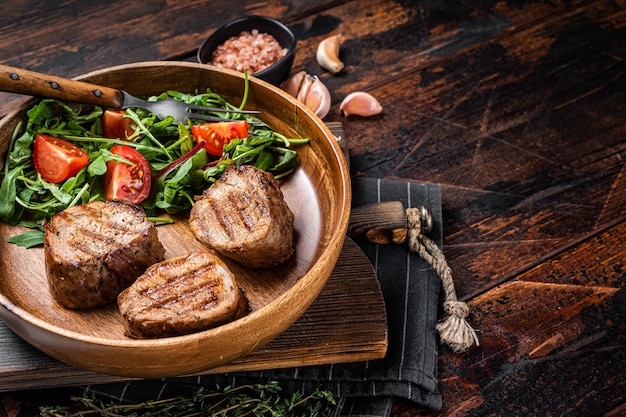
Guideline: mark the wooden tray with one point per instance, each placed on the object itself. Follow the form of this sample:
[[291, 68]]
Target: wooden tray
[[346, 323]]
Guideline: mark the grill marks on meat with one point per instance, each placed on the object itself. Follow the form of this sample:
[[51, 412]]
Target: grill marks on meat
[[182, 295], [94, 251], [102, 251], [244, 216]]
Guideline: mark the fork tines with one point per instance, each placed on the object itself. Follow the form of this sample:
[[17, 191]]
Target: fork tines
[[208, 118], [219, 110]]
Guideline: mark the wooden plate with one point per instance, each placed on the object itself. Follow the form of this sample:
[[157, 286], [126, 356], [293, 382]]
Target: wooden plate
[[318, 193]]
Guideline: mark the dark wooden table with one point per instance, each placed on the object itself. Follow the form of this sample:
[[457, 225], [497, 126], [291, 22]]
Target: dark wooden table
[[518, 111]]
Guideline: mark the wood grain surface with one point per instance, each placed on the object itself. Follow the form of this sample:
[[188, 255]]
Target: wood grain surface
[[516, 109]]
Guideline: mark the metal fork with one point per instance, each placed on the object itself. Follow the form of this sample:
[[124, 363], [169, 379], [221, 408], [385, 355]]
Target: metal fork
[[21, 81]]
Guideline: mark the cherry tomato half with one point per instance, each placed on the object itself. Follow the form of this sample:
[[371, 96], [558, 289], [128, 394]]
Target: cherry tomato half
[[218, 134], [126, 181], [115, 125], [57, 159]]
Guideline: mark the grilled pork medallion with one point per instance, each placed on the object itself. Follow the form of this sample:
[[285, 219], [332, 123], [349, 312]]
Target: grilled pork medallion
[[244, 216], [94, 251], [181, 295]]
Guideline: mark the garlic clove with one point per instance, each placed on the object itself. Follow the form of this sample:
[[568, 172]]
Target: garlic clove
[[317, 96], [360, 103], [292, 84], [309, 90], [327, 54]]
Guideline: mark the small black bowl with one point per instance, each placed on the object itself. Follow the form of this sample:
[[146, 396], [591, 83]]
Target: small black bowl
[[274, 74]]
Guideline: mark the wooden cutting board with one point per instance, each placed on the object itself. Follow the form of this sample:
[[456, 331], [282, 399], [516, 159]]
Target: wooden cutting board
[[346, 323]]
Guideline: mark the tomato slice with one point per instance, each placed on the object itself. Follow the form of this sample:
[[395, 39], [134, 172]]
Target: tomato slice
[[126, 181], [115, 125], [218, 134], [57, 159]]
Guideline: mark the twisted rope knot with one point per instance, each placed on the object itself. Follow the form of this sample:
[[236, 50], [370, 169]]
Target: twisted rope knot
[[456, 308], [453, 329]]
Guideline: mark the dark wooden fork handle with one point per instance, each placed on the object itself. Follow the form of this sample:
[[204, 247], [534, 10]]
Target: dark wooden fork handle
[[21, 81]]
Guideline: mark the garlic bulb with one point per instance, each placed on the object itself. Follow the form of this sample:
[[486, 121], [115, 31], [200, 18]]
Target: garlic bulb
[[309, 90], [360, 103], [327, 54]]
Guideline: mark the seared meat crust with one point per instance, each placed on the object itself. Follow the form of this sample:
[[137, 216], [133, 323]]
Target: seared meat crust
[[94, 251], [244, 216], [181, 295]]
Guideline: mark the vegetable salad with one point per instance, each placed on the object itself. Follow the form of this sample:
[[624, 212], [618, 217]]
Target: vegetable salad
[[62, 156]]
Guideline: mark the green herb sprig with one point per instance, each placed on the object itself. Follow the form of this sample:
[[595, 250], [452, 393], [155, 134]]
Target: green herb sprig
[[258, 400]]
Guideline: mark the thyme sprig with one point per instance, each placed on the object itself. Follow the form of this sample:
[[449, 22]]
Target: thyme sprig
[[256, 400]]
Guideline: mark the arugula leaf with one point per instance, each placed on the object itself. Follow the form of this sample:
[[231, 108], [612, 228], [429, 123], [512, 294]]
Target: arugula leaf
[[21, 153], [264, 160], [57, 192], [287, 162], [8, 193], [98, 166], [28, 239]]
